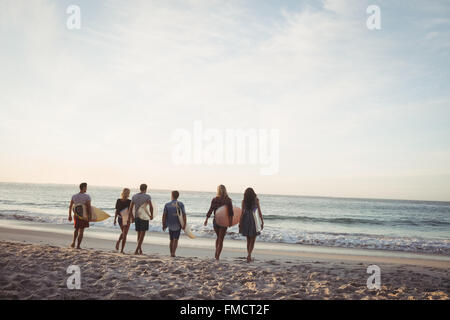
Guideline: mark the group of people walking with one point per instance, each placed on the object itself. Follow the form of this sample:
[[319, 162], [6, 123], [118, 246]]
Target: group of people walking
[[170, 219]]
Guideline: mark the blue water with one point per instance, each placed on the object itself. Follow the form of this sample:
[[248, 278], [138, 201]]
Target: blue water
[[414, 226]]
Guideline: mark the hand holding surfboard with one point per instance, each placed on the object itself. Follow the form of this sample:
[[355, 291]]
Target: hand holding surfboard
[[186, 228], [125, 214], [222, 218], [97, 215], [144, 213]]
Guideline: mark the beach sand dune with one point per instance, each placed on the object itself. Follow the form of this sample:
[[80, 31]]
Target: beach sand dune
[[31, 271]]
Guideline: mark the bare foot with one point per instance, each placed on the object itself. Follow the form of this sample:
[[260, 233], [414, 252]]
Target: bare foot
[[117, 245], [78, 247], [72, 245], [249, 259]]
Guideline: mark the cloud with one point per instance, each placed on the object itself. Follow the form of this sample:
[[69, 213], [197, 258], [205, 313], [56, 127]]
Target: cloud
[[135, 72]]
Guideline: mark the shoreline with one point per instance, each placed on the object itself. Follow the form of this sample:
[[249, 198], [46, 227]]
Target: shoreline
[[104, 239]]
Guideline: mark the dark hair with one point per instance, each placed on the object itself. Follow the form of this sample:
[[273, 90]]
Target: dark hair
[[143, 187], [249, 199], [83, 185], [175, 194]]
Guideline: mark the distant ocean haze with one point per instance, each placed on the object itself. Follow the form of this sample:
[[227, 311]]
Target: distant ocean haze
[[404, 225]]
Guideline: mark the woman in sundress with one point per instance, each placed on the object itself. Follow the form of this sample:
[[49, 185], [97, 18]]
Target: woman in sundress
[[247, 224]]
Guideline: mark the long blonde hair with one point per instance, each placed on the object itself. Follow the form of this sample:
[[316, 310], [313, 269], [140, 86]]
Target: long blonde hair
[[222, 191], [125, 194]]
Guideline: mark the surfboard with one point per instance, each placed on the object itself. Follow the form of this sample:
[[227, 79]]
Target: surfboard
[[222, 218], [144, 212], [155, 210], [187, 229], [97, 215], [188, 232], [124, 214], [257, 220]]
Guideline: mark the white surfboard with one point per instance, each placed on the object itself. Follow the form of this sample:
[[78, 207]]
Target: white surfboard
[[155, 210], [144, 212], [187, 229], [124, 214], [257, 220], [188, 232]]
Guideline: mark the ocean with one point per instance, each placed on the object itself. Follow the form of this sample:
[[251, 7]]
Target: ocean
[[393, 225]]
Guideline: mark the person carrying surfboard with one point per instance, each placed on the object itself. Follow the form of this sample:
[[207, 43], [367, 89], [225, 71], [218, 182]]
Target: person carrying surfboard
[[141, 220], [250, 225], [77, 202], [122, 209], [171, 220], [220, 200]]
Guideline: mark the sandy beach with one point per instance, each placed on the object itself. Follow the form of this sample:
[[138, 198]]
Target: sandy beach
[[36, 268], [253, 150]]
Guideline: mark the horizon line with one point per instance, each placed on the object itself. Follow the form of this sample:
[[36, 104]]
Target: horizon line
[[268, 194]]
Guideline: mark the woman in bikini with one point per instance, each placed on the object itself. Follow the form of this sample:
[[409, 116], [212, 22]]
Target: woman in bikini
[[220, 200], [122, 204]]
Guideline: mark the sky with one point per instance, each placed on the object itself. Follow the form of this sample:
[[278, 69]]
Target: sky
[[358, 112]]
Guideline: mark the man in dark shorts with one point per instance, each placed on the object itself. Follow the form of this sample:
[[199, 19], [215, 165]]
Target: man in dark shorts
[[141, 223], [79, 200], [170, 219]]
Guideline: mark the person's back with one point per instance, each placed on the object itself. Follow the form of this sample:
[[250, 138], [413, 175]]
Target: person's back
[[122, 212], [81, 198], [79, 203], [141, 223], [172, 221], [249, 226], [218, 202], [139, 199], [170, 208], [221, 199]]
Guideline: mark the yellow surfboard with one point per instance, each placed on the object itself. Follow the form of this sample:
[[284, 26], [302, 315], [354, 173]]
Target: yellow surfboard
[[96, 216]]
